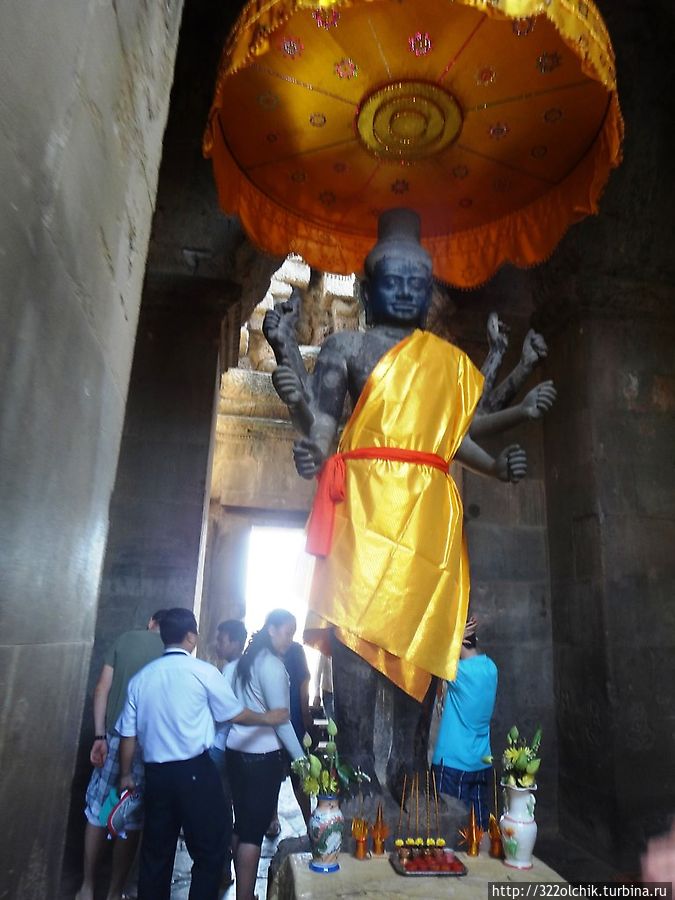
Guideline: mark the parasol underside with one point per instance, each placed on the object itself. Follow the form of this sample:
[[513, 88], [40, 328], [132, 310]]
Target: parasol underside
[[499, 131]]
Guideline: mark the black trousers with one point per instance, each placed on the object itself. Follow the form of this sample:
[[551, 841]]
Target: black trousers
[[188, 793], [255, 779]]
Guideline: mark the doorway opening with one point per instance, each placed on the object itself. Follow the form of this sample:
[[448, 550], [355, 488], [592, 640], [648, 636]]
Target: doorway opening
[[278, 576]]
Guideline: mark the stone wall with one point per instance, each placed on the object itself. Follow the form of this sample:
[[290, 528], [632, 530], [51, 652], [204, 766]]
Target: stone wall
[[610, 487], [191, 310], [606, 299], [85, 91], [506, 527]]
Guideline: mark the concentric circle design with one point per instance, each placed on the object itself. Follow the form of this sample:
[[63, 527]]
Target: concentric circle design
[[408, 120], [500, 130]]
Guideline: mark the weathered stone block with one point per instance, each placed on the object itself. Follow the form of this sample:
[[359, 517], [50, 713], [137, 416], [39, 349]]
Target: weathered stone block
[[642, 609], [253, 466], [588, 815], [42, 47], [514, 554], [509, 612], [36, 759], [494, 501], [65, 510]]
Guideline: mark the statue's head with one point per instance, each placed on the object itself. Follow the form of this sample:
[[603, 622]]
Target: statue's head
[[398, 275]]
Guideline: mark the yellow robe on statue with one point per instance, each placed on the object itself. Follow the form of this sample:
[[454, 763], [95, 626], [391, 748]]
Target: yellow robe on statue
[[395, 584]]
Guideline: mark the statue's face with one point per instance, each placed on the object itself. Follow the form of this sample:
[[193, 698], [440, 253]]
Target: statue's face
[[399, 292]]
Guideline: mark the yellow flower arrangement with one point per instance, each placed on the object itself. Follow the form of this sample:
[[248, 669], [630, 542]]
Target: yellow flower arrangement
[[323, 772], [520, 760]]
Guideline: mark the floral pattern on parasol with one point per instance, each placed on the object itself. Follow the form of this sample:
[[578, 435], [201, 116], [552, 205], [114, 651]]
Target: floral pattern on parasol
[[496, 120]]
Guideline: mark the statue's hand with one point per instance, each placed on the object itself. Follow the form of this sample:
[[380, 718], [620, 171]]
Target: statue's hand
[[497, 332], [534, 349], [288, 386], [539, 400], [279, 323], [308, 456], [511, 464], [270, 326]]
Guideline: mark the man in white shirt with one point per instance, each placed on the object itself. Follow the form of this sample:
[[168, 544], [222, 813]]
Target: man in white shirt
[[170, 710]]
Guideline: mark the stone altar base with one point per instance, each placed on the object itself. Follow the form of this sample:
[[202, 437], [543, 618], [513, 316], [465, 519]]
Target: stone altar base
[[452, 815]]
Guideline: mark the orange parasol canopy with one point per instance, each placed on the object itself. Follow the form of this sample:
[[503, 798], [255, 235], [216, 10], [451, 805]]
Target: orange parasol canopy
[[496, 120]]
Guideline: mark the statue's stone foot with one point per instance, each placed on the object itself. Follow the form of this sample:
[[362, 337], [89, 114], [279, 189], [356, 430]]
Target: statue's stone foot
[[452, 815], [399, 775], [361, 799]]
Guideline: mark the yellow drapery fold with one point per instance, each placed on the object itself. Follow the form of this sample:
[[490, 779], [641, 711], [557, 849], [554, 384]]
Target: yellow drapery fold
[[396, 582]]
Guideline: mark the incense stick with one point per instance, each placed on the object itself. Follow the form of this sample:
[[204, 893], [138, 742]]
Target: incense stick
[[428, 805], [410, 799], [438, 824], [417, 804], [494, 783], [400, 815]]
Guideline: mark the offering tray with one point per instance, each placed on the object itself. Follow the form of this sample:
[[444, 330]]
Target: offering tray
[[412, 871]]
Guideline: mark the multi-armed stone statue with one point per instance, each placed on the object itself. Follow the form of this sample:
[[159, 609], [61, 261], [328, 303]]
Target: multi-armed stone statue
[[391, 583]]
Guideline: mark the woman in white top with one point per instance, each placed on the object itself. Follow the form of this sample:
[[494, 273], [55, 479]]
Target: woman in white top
[[255, 758]]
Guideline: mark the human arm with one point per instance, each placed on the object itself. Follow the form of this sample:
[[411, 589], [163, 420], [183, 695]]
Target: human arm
[[274, 684], [226, 707], [99, 749], [273, 717], [127, 750], [307, 718], [510, 465], [535, 403], [658, 862], [126, 726]]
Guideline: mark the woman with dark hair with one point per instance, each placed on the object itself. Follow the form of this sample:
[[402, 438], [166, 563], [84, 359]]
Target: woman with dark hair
[[255, 758]]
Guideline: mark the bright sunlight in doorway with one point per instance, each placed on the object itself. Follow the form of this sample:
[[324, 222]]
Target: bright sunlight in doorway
[[278, 574]]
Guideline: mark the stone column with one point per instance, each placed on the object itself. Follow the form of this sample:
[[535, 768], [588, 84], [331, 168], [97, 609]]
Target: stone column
[[610, 484], [85, 94], [157, 510], [606, 306]]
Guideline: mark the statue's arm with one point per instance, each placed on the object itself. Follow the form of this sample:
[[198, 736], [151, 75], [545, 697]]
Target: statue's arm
[[294, 394], [510, 465], [534, 349], [279, 328], [498, 341], [322, 410], [535, 403]]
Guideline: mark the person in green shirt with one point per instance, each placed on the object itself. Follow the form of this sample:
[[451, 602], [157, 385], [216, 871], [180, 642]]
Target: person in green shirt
[[128, 654]]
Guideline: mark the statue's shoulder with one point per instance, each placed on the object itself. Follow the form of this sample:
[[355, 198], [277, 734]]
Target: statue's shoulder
[[345, 343], [447, 352], [440, 345]]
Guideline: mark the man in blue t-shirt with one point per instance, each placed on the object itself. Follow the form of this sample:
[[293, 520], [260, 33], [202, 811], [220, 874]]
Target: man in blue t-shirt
[[463, 739]]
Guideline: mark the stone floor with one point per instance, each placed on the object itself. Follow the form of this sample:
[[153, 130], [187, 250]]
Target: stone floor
[[292, 825]]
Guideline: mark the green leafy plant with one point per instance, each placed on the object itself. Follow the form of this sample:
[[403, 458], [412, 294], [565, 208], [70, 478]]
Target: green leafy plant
[[521, 760], [322, 772]]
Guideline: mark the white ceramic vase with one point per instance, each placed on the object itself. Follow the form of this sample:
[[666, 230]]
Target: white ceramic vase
[[325, 829], [518, 827]]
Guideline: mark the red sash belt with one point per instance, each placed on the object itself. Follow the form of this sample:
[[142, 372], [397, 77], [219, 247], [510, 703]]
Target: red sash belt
[[331, 489]]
